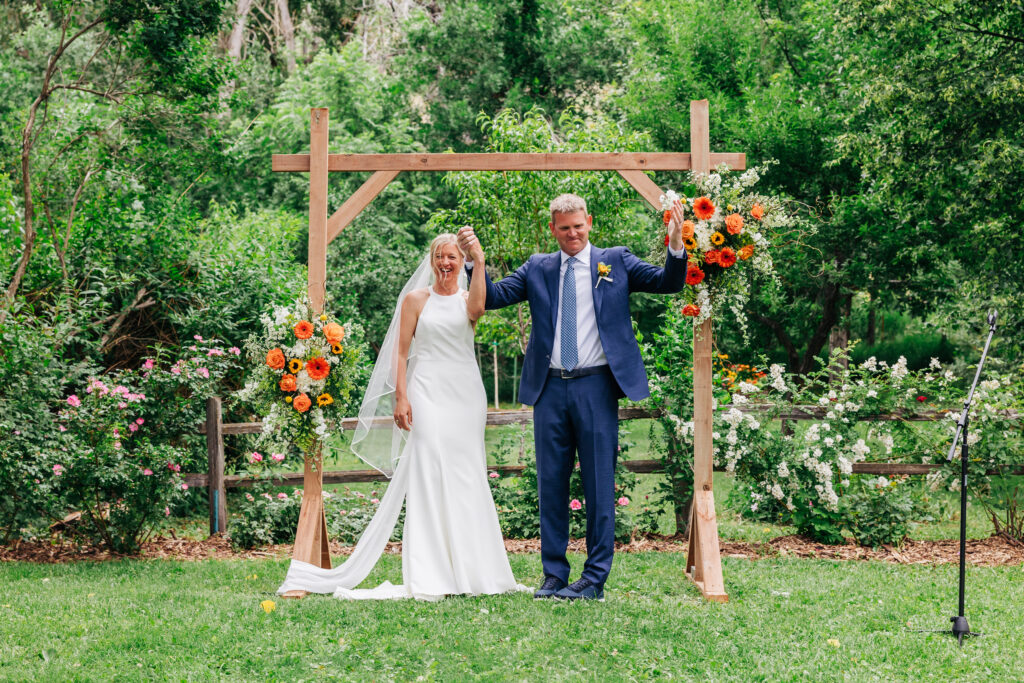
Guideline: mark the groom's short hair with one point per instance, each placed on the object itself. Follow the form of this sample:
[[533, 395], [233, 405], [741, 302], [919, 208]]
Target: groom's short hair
[[567, 203]]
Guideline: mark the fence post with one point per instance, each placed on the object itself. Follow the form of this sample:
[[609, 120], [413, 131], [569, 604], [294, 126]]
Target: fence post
[[215, 476]]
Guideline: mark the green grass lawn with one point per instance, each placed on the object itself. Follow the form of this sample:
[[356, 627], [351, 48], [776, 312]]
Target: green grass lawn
[[202, 620]]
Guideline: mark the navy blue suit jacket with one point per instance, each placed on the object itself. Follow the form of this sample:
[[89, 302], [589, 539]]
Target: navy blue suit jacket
[[536, 281]]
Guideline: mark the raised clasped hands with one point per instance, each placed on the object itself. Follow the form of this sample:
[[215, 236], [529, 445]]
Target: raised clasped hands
[[675, 226], [469, 244]]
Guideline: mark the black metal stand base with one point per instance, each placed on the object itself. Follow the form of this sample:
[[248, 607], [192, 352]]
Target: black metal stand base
[[961, 629]]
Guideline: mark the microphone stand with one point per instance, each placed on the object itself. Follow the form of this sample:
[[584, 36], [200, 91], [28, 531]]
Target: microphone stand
[[960, 627]]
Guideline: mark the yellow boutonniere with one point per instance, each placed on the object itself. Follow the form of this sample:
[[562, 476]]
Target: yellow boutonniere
[[603, 270]]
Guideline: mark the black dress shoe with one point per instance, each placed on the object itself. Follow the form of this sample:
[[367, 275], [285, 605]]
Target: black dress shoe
[[584, 589], [551, 585]]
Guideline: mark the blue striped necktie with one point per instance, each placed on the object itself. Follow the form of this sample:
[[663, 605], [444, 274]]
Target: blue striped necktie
[[570, 354]]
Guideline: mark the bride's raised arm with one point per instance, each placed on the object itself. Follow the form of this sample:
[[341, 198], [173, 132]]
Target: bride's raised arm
[[477, 298]]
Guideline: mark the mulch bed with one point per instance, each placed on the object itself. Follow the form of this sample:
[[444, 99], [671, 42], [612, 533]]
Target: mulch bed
[[989, 552]]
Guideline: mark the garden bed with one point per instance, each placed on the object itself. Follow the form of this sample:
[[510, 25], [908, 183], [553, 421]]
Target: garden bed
[[989, 552]]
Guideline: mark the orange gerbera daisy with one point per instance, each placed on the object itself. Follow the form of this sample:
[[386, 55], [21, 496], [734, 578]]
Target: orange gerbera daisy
[[334, 332], [734, 223], [703, 208], [275, 359], [727, 257], [757, 211], [712, 256], [303, 329], [666, 217], [287, 382], [302, 403], [688, 228], [746, 252], [694, 275], [691, 310], [317, 368]]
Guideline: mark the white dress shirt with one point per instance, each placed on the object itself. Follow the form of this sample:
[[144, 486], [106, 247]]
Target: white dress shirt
[[588, 340]]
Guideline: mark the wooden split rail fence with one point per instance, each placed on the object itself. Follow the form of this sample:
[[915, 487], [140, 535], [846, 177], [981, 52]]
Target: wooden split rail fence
[[217, 482]]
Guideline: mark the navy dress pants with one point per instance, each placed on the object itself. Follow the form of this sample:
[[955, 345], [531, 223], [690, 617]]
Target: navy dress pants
[[577, 416]]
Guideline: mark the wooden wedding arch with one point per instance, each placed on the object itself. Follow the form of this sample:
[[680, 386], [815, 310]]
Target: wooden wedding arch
[[703, 562]]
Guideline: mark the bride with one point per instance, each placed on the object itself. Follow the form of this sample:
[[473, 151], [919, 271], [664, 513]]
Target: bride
[[422, 422]]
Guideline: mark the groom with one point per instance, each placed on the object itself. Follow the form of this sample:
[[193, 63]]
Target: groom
[[581, 358]]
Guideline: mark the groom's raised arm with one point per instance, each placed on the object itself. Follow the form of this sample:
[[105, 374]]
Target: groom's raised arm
[[507, 291], [643, 277]]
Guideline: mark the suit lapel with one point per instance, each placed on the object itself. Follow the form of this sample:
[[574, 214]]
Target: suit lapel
[[551, 268], [595, 257]]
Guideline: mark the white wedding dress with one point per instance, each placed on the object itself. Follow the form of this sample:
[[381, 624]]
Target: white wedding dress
[[452, 542]]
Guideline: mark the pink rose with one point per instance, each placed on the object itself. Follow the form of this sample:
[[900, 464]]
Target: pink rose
[[277, 457], [74, 401], [197, 338], [122, 405], [184, 487], [282, 496], [58, 470], [374, 501], [623, 501], [133, 427], [139, 421], [148, 365], [147, 471], [117, 444], [204, 372], [167, 512], [174, 467], [255, 457], [176, 370], [575, 504], [62, 428], [235, 350], [493, 475]]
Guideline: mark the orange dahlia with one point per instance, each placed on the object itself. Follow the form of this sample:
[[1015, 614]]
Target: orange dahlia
[[703, 208], [317, 368], [334, 332], [688, 228], [303, 329], [734, 223], [302, 403], [275, 359], [757, 211], [691, 310], [727, 257], [746, 252], [694, 275], [287, 382]]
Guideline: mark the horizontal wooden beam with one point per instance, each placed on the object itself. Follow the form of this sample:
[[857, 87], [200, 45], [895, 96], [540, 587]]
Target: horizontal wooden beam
[[580, 161]]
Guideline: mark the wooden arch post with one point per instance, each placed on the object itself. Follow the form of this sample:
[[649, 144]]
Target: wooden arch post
[[703, 564]]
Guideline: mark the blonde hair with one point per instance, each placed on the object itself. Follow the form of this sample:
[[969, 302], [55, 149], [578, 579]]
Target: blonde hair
[[567, 203], [441, 240]]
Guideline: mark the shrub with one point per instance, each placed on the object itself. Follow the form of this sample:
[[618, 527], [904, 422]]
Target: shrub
[[878, 510]]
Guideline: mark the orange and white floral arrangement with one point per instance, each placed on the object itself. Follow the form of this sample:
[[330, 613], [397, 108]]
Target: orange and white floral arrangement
[[302, 371], [727, 233]]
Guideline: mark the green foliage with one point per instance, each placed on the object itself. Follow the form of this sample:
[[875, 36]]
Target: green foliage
[[879, 510], [268, 518]]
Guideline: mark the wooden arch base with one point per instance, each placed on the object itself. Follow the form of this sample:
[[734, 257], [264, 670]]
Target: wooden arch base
[[703, 565]]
